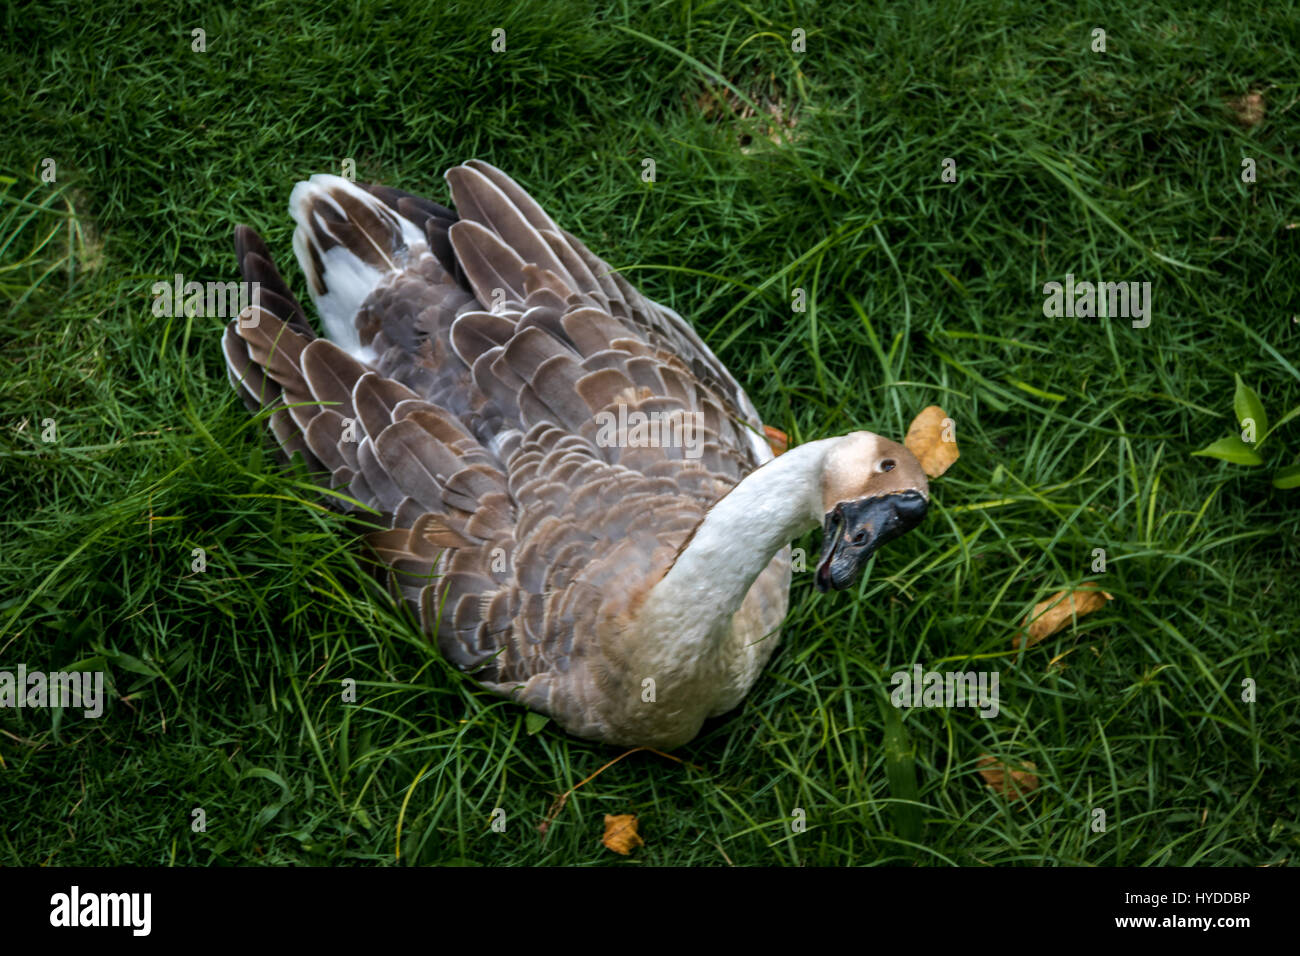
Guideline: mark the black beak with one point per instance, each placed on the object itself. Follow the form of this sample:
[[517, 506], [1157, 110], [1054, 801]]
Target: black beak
[[855, 529]]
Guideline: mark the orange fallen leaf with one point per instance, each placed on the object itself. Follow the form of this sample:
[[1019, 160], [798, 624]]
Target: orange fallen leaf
[[1003, 779], [777, 439], [932, 438], [620, 833], [1051, 615]]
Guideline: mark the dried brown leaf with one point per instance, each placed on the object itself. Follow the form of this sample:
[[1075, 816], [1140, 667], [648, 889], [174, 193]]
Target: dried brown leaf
[[764, 111], [1005, 779], [1051, 615], [1248, 109], [932, 438], [620, 833]]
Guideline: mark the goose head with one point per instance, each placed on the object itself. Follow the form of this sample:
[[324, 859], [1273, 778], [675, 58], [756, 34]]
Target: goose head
[[873, 490]]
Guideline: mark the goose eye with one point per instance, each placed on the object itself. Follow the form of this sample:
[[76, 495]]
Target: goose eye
[[887, 465]]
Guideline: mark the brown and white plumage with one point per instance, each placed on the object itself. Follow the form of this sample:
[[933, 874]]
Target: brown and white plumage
[[474, 357]]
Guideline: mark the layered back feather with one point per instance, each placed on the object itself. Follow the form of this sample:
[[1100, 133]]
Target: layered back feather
[[456, 405]]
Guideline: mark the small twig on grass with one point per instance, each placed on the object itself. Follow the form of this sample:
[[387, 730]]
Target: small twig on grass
[[563, 798]]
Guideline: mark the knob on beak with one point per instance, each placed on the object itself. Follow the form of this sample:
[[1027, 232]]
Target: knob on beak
[[855, 529]]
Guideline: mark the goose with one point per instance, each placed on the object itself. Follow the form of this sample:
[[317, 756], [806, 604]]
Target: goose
[[482, 398]]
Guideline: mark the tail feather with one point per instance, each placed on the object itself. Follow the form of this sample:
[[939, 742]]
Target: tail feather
[[348, 242]]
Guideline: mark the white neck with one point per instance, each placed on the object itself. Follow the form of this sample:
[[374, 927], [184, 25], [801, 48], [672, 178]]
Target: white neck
[[735, 542]]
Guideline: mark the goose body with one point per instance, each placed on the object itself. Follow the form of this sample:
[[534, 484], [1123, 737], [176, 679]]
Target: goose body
[[482, 400]]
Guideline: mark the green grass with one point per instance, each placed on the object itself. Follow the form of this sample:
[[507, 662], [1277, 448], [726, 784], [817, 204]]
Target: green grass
[[1075, 434]]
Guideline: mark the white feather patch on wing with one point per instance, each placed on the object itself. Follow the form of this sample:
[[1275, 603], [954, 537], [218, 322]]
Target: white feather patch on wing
[[348, 279]]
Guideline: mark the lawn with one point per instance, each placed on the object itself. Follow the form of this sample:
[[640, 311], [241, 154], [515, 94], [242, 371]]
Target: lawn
[[800, 217]]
